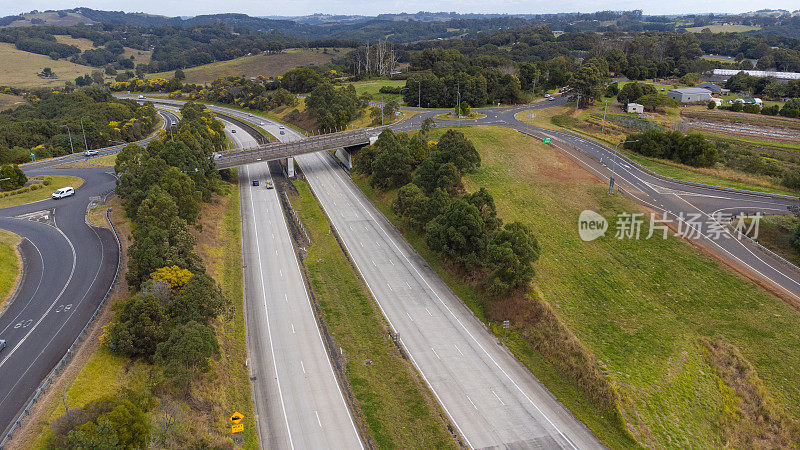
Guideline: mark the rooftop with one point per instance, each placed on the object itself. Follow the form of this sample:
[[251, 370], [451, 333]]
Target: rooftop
[[691, 90]]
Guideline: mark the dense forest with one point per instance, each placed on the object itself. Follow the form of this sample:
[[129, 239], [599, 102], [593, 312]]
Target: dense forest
[[43, 126]]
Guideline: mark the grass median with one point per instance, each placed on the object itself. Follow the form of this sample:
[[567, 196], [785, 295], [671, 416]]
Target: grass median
[[642, 308], [397, 407], [43, 191], [10, 265]]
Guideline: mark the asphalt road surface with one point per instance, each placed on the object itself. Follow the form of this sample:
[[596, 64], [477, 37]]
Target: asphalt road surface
[[298, 402], [490, 396], [676, 199], [68, 267]]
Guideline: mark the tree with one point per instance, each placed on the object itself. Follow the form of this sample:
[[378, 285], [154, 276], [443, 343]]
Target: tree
[[484, 201], [186, 352], [179, 74], [100, 436], [174, 276], [200, 300], [459, 233], [426, 126], [711, 104], [510, 254], [463, 109], [130, 423], [182, 189], [432, 175], [690, 79], [791, 108], [412, 205], [653, 102], [631, 92], [139, 326], [588, 80], [454, 147], [12, 177]]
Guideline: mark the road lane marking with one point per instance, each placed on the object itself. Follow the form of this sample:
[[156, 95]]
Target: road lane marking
[[470, 401], [266, 313], [498, 398], [318, 421], [292, 328], [390, 287], [457, 349], [429, 313], [409, 316], [434, 352], [302, 366]]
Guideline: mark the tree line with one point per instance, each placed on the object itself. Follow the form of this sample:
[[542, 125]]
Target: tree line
[[167, 319], [44, 125], [463, 227]]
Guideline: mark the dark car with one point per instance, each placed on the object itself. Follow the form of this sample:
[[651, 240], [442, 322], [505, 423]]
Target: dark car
[[255, 182], [2, 344]]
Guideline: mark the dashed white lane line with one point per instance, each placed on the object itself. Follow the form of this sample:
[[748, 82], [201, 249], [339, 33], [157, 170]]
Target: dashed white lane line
[[302, 367], [498, 398], [434, 352], [470, 401], [373, 262], [390, 287], [318, 421], [458, 350], [409, 316], [429, 313], [292, 328]]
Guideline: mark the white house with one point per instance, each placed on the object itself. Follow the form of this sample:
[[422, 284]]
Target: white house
[[690, 95]]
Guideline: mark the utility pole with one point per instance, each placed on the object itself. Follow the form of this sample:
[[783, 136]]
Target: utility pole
[[577, 100], [69, 133], [614, 163], [458, 99], [85, 145], [419, 94], [604, 115]]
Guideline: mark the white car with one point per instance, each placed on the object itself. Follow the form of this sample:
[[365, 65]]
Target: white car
[[141, 97], [90, 153], [282, 127], [64, 192]]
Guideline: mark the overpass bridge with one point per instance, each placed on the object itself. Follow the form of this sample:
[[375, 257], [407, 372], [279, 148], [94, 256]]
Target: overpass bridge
[[278, 150]]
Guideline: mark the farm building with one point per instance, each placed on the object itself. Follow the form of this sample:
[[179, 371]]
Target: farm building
[[714, 88], [749, 101], [634, 108], [690, 95]]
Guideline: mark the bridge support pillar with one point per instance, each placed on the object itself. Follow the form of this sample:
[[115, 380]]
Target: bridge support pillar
[[344, 156], [290, 167]]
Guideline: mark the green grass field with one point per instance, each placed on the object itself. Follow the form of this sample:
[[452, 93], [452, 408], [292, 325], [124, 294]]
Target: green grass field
[[397, 407], [267, 64], [9, 264], [372, 87], [777, 232], [107, 160], [19, 69], [58, 181], [8, 101], [640, 307]]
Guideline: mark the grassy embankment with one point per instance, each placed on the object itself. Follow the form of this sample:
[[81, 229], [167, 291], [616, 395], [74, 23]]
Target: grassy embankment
[[107, 160], [10, 265], [644, 309], [777, 233], [397, 407], [8, 101], [213, 396], [560, 117], [373, 87], [43, 192], [266, 64]]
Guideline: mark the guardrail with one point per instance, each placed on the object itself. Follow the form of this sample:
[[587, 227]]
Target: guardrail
[[65, 359]]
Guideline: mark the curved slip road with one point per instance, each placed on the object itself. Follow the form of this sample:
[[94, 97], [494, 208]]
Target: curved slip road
[[297, 399], [68, 267]]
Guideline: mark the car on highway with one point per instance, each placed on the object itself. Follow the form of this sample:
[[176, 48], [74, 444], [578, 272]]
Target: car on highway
[[91, 153], [233, 131], [282, 127], [261, 123], [269, 185], [2, 344], [283, 132], [551, 99], [255, 182], [63, 192], [141, 97], [546, 95]]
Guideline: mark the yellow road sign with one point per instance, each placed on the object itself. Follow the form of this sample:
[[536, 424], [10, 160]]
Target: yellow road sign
[[237, 417], [238, 428]]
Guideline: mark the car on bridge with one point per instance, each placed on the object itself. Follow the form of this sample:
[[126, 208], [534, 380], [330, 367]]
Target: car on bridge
[[255, 182], [63, 192]]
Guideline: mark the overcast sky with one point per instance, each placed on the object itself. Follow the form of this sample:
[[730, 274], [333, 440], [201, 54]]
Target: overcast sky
[[372, 7]]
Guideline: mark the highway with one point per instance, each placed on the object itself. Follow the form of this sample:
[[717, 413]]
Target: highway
[[490, 396], [68, 266], [297, 399], [389, 267]]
